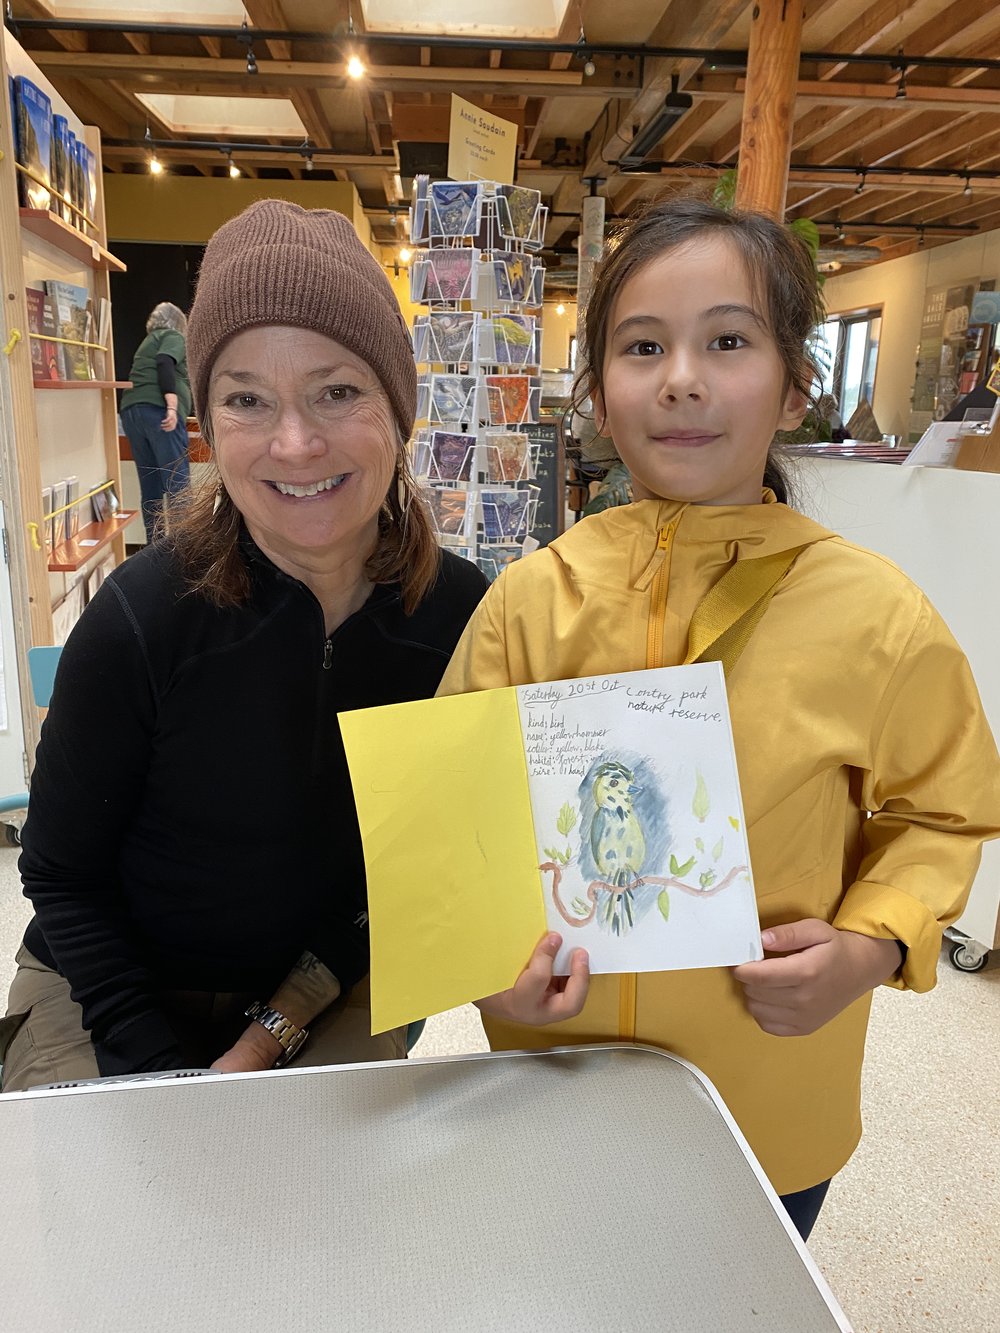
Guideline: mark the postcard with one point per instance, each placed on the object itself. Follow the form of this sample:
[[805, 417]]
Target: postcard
[[446, 337], [507, 456], [418, 208], [450, 512], [450, 275], [607, 808], [454, 398], [518, 278], [512, 400], [451, 456], [455, 208], [510, 340], [518, 212], [506, 514]]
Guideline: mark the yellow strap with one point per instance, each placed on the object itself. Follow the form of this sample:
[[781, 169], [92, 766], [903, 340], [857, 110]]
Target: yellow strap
[[729, 613]]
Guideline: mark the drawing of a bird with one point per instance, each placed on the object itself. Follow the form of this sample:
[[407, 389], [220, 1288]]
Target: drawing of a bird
[[617, 841]]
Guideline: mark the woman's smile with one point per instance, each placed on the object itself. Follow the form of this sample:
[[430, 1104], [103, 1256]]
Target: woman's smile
[[309, 489]]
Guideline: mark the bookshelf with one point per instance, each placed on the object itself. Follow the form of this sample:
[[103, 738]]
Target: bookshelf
[[92, 540], [48, 431]]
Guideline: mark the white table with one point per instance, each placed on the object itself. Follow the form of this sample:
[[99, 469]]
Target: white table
[[594, 1188]]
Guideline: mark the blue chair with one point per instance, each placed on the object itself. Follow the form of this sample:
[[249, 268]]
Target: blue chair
[[42, 663]]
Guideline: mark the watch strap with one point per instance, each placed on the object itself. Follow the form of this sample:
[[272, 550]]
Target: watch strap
[[282, 1029]]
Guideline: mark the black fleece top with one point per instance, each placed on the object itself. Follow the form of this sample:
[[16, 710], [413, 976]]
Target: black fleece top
[[192, 825]]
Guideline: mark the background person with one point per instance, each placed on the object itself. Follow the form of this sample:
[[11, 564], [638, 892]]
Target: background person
[[154, 411]]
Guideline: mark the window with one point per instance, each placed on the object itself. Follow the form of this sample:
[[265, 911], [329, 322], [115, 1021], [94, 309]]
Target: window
[[848, 353]]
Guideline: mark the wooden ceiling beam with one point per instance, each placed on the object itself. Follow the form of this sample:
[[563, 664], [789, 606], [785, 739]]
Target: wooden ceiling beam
[[684, 23], [316, 74], [213, 45], [880, 23], [310, 111]]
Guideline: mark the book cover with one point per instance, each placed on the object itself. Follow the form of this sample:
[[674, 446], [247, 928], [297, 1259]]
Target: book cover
[[34, 142], [55, 361], [47, 518], [36, 328], [56, 524], [61, 196], [71, 525], [75, 181], [88, 185], [73, 322], [99, 504]]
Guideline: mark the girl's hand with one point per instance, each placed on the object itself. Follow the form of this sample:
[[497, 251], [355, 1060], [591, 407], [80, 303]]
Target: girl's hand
[[537, 997], [821, 972]]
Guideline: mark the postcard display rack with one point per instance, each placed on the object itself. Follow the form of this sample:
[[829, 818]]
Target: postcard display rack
[[58, 425], [479, 350]]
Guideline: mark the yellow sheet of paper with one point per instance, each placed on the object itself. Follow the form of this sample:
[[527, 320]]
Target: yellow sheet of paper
[[454, 895]]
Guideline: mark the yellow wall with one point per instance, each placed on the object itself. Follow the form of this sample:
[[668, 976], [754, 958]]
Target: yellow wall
[[556, 333], [899, 286]]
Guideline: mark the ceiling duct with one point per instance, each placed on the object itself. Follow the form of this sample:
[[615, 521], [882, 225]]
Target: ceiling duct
[[675, 104]]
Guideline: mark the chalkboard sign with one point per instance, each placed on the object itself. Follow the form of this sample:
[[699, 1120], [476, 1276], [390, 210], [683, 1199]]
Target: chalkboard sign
[[548, 478]]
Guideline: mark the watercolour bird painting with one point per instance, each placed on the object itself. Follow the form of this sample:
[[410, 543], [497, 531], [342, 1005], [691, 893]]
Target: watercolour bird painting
[[639, 821]]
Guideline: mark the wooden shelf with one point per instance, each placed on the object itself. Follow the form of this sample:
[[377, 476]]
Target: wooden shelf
[[82, 384], [70, 556], [71, 242]]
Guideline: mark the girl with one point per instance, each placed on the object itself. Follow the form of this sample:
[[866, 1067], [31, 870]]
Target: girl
[[849, 697]]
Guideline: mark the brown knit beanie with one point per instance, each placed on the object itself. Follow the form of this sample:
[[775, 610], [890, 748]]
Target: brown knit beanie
[[277, 263]]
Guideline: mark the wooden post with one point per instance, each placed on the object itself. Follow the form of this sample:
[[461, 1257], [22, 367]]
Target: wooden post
[[768, 106]]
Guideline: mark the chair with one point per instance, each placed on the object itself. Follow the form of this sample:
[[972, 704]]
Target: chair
[[42, 663]]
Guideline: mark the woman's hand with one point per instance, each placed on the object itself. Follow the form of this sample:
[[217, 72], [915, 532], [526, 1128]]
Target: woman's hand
[[819, 971], [537, 997], [169, 422], [254, 1050]]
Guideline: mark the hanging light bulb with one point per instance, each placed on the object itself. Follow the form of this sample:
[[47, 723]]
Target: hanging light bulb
[[861, 185], [560, 309], [968, 187], [155, 165], [405, 255], [234, 170], [355, 68]]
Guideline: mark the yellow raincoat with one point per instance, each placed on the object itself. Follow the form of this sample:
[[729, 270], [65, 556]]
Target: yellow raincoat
[[851, 696]]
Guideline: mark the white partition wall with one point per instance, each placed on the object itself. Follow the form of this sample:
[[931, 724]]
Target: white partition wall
[[942, 527]]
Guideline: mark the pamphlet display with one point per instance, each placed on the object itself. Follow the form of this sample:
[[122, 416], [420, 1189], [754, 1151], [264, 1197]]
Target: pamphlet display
[[479, 350]]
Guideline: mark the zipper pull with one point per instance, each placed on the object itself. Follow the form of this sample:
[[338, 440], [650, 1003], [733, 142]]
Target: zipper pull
[[666, 536], [327, 655]]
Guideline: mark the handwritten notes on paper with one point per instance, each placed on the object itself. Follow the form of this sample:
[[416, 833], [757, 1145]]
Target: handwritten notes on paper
[[608, 808]]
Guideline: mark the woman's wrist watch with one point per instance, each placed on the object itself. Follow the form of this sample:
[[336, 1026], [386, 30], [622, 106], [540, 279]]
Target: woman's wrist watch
[[282, 1029]]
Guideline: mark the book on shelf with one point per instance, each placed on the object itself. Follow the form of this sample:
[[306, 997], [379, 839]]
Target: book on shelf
[[33, 122], [36, 328], [61, 185], [100, 503], [74, 321], [72, 516], [47, 518], [88, 186], [56, 522]]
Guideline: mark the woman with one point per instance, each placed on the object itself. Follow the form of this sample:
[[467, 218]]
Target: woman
[[155, 409], [192, 850]]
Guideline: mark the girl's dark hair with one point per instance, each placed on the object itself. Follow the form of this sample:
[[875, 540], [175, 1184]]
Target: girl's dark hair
[[205, 527], [782, 277]]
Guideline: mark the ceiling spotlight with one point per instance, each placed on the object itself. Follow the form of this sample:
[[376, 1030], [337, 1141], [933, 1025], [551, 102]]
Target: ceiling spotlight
[[861, 185], [246, 37], [355, 68], [589, 68], [309, 161], [968, 187], [920, 232], [900, 64], [405, 255], [560, 309], [234, 170], [155, 165]]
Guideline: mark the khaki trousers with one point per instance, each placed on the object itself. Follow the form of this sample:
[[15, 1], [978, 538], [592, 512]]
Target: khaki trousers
[[43, 1040]]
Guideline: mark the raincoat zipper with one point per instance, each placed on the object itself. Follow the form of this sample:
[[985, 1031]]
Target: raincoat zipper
[[327, 654], [628, 981]]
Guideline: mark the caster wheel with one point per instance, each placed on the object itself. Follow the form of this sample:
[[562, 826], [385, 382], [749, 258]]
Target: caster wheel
[[11, 835], [965, 959]]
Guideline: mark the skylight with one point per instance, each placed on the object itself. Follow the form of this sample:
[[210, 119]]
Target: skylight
[[208, 13], [539, 19], [209, 116]]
